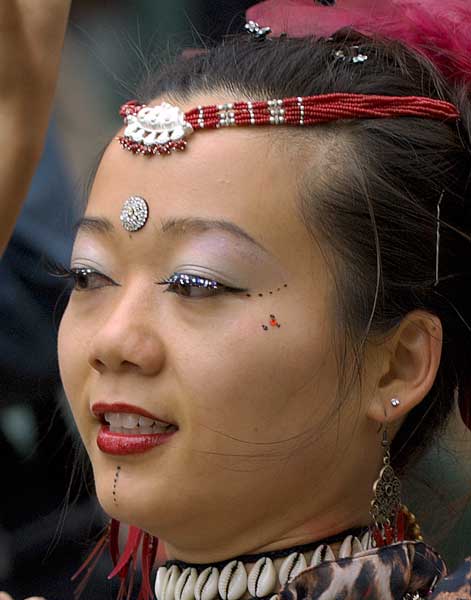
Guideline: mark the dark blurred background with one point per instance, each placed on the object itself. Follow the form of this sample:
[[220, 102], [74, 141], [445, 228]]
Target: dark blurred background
[[48, 514]]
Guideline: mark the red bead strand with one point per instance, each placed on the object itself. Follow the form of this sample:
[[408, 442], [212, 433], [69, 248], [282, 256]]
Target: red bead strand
[[295, 111], [329, 107]]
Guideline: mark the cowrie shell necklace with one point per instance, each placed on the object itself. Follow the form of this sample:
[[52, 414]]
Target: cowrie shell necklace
[[257, 576]]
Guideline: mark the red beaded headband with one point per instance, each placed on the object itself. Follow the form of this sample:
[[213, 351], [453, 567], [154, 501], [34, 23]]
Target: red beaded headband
[[165, 128]]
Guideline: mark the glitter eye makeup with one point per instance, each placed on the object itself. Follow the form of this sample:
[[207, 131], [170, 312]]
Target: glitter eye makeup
[[185, 279], [183, 284]]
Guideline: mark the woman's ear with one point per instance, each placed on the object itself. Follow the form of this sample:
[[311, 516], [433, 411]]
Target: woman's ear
[[411, 360]]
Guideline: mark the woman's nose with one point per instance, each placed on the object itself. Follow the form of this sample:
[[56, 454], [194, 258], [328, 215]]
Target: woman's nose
[[126, 337]]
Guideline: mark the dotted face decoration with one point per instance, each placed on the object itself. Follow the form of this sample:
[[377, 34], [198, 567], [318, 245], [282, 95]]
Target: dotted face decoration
[[273, 320], [273, 323], [134, 213], [260, 294], [115, 483]]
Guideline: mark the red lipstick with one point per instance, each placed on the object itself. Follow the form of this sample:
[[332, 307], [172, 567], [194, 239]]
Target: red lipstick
[[128, 443], [123, 443]]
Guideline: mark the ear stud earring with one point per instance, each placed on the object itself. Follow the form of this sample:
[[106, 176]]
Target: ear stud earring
[[395, 402]]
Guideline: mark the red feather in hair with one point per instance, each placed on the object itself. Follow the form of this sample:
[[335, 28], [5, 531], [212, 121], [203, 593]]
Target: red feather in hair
[[438, 29]]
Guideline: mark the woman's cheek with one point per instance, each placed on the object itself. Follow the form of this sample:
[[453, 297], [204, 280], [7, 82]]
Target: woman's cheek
[[73, 361], [65, 355], [237, 377]]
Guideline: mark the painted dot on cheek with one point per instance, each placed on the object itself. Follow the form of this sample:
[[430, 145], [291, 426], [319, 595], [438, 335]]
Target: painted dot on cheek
[[273, 322]]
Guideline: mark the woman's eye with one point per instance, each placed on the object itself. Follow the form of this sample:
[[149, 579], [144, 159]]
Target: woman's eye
[[85, 279], [82, 278], [193, 286], [88, 279]]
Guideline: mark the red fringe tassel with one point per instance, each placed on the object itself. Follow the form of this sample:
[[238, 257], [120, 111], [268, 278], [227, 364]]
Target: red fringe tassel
[[125, 566], [389, 534]]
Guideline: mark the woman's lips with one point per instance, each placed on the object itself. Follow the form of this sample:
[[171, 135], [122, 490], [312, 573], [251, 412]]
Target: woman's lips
[[123, 443], [100, 408]]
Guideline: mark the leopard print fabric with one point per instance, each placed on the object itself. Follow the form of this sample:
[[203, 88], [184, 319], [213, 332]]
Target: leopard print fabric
[[406, 569]]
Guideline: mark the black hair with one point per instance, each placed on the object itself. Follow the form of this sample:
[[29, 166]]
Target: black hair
[[375, 206]]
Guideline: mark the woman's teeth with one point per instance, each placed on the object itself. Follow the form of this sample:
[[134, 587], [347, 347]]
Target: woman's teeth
[[134, 424]]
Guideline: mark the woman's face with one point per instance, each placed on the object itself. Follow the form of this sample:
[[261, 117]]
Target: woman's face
[[252, 464]]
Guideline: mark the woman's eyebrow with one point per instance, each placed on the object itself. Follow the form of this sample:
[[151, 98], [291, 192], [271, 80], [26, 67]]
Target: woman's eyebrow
[[94, 225], [176, 225], [199, 224]]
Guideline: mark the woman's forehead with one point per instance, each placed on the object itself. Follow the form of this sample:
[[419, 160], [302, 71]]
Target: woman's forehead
[[234, 176]]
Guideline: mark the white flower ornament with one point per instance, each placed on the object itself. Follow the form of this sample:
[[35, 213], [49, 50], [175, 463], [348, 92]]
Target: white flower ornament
[[154, 130]]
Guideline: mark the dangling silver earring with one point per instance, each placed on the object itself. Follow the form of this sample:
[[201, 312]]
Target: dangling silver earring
[[386, 504]]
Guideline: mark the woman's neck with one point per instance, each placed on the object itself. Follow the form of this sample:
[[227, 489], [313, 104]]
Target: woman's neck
[[335, 542], [257, 575]]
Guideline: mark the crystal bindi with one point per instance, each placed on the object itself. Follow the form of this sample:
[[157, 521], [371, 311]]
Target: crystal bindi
[[134, 213]]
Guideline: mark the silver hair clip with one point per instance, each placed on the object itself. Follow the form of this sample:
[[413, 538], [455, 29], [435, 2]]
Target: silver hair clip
[[437, 250], [354, 55], [259, 33]]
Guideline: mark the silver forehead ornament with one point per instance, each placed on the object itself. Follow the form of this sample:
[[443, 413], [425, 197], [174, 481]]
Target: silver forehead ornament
[[134, 213], [158, 129]]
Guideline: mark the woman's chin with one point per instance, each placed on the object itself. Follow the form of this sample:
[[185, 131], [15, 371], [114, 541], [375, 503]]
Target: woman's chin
[[132, 503], [126, 510], [117, 503]]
